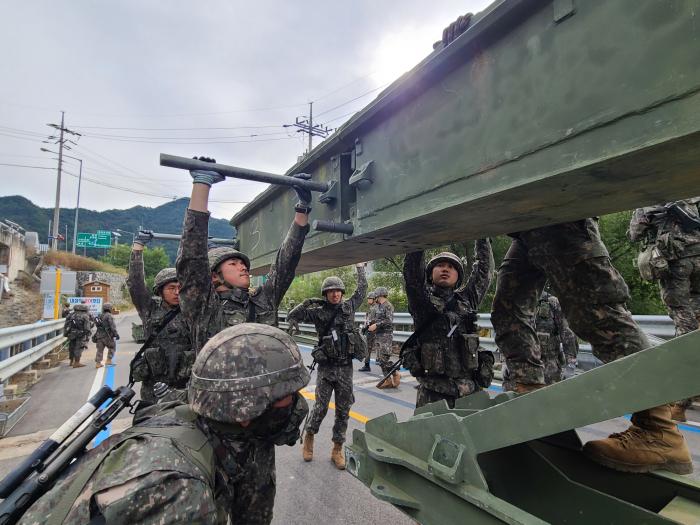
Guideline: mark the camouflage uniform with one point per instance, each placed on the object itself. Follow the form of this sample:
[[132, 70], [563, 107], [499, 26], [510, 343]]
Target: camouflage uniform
[[553, 332], [207, 311], [384, 334], [77, 329], [679, 247], [447, 363], [172, 344], [371, 313], [104, 336], [335, 365], [591, 291]]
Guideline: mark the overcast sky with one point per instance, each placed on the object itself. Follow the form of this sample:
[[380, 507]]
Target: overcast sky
[[155, 68]]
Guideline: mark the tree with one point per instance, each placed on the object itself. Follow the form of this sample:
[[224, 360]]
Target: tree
[[154, 260]]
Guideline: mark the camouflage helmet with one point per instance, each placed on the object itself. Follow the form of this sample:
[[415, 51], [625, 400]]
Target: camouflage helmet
[[163, 277], [242, 370], [382, 291], [107, 307], [224, 253], [80, 307], [371, 295], [332, 283], [449, 258]]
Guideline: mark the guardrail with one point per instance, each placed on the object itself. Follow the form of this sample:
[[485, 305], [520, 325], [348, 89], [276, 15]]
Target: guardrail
[[21, 346], [659, 327]]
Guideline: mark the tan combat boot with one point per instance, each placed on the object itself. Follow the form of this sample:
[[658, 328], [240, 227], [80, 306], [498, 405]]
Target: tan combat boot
[[77, 364], [526, 388], [337, 456], [397, 379], [387, 383], [308, 450], [678, 412], [653, 442], [99, 365]]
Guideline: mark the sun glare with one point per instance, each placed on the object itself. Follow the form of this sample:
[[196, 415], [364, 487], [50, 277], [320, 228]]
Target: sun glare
[[400, 52]]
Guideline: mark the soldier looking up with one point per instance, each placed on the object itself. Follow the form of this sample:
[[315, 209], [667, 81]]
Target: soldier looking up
[[670, 237], [172, 466], [215, 284], [77, 329], [443, 352], [371, 311], [105, 336], [170, 354], [382, 328], [338, 343]]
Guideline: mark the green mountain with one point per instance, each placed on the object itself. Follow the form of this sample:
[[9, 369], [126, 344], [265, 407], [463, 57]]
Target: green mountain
[[163, 219]]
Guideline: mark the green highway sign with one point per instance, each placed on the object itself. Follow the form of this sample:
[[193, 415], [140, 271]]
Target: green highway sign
[[101, 239], [104, 239]]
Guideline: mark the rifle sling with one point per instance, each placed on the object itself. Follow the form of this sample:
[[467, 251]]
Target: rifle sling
[[168, 317]]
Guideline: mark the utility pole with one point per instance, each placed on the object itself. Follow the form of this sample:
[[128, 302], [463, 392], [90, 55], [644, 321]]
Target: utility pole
[[77, 207], [306, 125]]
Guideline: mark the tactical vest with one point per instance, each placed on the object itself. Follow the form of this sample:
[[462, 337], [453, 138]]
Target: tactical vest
[[102, 327], [449, 345], [77, 325], [347, 342], [238, 306], [379, 313]]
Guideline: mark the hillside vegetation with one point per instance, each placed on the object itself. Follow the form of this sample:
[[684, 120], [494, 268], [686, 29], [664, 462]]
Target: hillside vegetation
[[79, 263]]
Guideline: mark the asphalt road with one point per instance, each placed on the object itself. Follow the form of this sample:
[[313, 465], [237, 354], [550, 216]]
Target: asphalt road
[[307, 493]]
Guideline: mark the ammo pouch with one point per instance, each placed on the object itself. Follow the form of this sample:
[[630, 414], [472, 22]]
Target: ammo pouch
[[651, 263], [483, 375], [323, 352], [357, 346]]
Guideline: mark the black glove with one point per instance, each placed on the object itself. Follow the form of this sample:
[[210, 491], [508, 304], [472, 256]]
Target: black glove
[[206, 177], [117, 337], [303, 194], [456, 28], [144, 237]]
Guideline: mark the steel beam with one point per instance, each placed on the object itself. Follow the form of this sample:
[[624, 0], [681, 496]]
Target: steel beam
[[542, 112]]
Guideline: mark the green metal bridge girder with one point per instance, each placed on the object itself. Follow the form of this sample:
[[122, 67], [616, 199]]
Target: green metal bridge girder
[[516, 459], [542, 112]]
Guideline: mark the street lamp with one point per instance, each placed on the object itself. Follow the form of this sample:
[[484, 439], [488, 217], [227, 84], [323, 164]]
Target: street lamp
[[77, 204], [128, 233]]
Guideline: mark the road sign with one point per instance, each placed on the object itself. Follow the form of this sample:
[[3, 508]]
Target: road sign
[[48, 281], [104, 239], [86, 240], [94, 303]]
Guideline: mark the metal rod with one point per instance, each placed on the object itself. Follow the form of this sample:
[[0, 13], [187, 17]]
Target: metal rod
[[332, 227], [175, 237], [173, 161]]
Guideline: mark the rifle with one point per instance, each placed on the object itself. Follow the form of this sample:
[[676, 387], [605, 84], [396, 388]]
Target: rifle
[[38, 473], [394, 368]]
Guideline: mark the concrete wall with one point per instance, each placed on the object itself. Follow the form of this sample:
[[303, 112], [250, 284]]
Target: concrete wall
[[12, 250], [117, 284]]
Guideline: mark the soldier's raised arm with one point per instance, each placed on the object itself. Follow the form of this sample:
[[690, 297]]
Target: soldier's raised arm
[[481, 275], [417, 292], [361, 291], [304, 312], [136, 279]]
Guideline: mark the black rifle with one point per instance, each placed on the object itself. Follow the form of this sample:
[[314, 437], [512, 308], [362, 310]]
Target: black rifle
[[37, 475]]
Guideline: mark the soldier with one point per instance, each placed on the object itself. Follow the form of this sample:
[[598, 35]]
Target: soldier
[[105, 335], [442, 353], [338, 343], [170, 355], [77, 328], [592, 294], [382, 328], [214, 285], [172, 465], [670, 237], [553, 333], [371, 311]]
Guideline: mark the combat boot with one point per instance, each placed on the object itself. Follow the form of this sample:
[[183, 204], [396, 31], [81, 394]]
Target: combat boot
[[653, 442], [77, 363], [308, 450], [365, 368], [678, 412], [526, 388], [387, 383], [337, 456], [109, 362], [99, 365], [397, 379]]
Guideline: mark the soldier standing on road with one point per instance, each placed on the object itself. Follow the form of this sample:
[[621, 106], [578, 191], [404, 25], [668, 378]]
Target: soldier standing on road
[[77, 329], [371, 311], [105, 336], [173, 465], [592, 294], [670, 237], [214, 294], [338, 343], [382, 328], [556, 339], [443, 351], [170, 355]]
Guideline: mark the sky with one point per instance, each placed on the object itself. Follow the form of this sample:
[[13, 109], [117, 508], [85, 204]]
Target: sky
[[217, 78]]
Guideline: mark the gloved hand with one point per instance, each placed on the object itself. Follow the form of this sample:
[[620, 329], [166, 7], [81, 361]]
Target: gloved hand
[[206, 177], [303, 194], [144, 237], [117, 337], [456, 28]]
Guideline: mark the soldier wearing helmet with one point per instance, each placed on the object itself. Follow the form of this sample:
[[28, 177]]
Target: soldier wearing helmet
[[105, 336], [443, 352], [369, 319], [339, 341], [170, 354], [77, 329], [215, 283], [382, 328], [244, 397]]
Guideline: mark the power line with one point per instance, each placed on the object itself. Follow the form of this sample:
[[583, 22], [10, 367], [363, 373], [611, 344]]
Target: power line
[[25, 166], [178, 129], [110, 136], [354, 99], [191, 142]]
